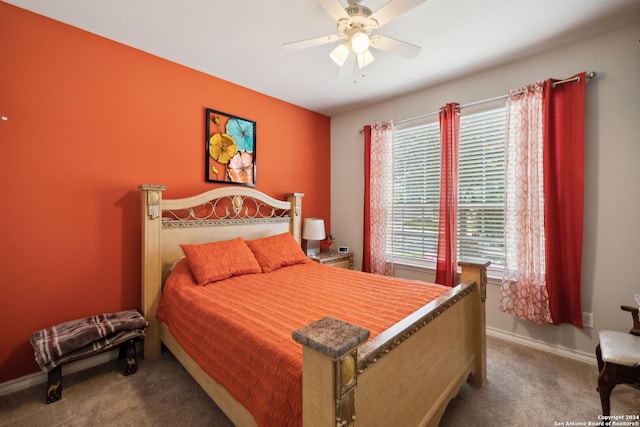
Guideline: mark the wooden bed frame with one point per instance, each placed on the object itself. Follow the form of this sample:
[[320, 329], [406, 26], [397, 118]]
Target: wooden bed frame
[[405, 376]]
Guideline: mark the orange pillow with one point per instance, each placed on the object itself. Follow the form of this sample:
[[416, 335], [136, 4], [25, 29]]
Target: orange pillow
[[277, 251], [215, 261]]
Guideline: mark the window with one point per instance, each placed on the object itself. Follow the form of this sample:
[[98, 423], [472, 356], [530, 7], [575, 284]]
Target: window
[[413, 223]]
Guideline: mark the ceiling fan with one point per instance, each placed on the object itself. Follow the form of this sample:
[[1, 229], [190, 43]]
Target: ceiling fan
[[356, 24]]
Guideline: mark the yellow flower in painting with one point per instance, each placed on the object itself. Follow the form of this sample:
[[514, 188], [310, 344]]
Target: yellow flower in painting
[[222, 148]]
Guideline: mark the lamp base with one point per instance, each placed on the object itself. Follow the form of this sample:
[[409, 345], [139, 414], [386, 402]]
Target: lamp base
[[311, 247]]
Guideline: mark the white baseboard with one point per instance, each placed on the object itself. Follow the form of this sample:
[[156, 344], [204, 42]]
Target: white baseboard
[[580, 356], [41, 377]]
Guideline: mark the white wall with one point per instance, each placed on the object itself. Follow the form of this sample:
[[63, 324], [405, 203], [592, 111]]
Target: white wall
[[612, 174]]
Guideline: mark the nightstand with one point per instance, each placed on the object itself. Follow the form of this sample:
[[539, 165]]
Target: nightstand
[[336, 259]]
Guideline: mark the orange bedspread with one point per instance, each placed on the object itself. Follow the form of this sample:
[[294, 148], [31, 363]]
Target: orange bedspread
[[239, 329]]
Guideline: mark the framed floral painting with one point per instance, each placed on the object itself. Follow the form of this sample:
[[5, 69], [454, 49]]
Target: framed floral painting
[[230, 149]]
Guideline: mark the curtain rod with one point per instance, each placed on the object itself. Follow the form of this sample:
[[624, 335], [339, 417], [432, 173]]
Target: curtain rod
[[590, 75]]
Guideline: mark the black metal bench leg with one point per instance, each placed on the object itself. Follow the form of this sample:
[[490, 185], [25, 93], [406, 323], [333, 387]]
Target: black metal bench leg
[[128, 353], [54, 384]]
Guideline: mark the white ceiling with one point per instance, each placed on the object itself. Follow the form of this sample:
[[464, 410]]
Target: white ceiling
[[241, 41]]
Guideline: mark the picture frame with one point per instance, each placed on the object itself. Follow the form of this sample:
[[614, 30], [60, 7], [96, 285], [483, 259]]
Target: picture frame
[[343, 249], [230, 149]]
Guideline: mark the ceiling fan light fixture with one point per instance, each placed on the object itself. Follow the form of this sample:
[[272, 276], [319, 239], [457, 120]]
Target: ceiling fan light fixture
[[365, 58], [360, 42], [339, 54], [355, 25]]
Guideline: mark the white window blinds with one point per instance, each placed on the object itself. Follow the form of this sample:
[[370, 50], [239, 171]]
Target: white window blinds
[[413, 222], [415, 191], [481, 186]]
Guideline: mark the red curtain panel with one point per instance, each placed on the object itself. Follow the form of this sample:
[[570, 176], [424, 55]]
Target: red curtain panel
[[446, 269], [366, 244], [564, 108]]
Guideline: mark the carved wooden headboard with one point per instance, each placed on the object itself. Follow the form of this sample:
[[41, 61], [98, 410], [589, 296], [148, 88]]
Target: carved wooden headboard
[[219, 214]]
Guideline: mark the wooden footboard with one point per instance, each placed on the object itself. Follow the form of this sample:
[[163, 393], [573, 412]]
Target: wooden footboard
[[405, 376]]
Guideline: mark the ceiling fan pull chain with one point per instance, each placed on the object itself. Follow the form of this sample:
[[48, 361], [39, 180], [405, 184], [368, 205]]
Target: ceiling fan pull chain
[[355, 71]]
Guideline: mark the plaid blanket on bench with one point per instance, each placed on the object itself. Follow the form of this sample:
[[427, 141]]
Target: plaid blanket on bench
[[79, 338]]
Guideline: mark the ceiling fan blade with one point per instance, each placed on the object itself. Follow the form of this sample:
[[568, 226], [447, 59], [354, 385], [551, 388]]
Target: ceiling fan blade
[[397, 47], [392, 9], [318, 41], [335, 9], [347, 68]]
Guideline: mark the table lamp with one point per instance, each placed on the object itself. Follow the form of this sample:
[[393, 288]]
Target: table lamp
[[312, 233]]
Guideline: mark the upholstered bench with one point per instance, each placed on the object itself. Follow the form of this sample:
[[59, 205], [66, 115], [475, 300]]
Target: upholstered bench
[[82, 338]]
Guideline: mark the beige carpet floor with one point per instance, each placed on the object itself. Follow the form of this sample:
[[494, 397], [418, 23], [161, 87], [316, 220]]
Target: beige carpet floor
[[528, 387], [525, 387]]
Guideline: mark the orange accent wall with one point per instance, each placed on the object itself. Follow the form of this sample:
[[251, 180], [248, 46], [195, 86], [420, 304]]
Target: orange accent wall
[[89, 120]]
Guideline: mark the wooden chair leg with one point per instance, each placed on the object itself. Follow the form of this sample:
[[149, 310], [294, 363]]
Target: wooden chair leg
[[606, 383], [599, 358]]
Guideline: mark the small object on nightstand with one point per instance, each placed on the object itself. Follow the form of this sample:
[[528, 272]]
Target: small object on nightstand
[[336, 259]]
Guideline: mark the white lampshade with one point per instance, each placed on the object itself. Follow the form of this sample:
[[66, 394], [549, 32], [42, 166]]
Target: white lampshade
[[360, 42], [313, 229], [340, 54], [365, 59]]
